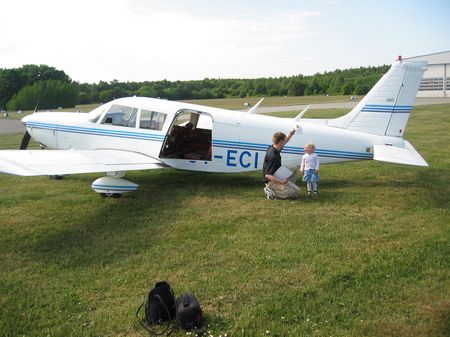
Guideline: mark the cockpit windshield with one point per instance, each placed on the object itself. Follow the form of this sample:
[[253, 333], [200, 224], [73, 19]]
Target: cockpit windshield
[[121, 115], [95, 114]]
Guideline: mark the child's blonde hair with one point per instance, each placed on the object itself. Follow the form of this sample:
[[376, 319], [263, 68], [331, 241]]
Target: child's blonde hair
[[311, 145]]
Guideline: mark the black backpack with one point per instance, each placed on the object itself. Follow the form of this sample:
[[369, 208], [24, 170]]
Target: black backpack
[[159, 309], [189, 313]]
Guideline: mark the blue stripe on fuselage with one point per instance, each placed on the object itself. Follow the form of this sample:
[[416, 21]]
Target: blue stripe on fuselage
[[216, 143], [96, 131], [291, 150]]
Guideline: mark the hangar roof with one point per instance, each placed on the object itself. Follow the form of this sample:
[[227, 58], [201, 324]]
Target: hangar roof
[[434, 58]]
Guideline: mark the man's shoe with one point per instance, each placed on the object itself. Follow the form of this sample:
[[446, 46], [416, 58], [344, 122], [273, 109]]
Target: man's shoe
[[269, 193]]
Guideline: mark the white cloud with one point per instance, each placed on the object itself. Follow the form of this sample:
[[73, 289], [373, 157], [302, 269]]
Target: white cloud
[[94, 40], [146, 40]]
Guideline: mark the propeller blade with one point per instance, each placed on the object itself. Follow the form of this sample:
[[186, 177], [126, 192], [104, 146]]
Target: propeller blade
[[25, 140]]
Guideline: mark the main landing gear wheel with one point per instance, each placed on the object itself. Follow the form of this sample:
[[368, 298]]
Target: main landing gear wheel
[[111, 195]]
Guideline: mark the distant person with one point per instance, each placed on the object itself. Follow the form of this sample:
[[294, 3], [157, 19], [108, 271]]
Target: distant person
[[276, 188], [309, 168]]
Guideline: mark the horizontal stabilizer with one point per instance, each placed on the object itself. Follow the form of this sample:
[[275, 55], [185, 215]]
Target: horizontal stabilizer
[[61, 162], [393, 154]]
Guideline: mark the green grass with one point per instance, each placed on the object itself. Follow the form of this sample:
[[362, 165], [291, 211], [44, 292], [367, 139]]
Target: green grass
[[226, 103], [369, 257], [238, 103], [319, 113]]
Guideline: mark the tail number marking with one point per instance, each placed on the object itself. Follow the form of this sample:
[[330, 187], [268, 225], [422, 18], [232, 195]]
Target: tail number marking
[[243, 159]]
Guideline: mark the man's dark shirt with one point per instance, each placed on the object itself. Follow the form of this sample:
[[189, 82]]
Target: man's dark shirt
[[272, 161]]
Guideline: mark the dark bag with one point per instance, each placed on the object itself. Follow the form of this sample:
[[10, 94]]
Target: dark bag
[[159, 308], [189, 313], [160, 304]]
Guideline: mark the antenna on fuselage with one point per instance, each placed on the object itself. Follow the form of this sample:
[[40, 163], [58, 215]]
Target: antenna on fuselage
[[253, 109]]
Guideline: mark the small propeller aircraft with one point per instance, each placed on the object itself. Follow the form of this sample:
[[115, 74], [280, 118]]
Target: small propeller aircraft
[[138, 133]]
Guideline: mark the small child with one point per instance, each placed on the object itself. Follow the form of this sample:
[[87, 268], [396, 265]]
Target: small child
[[309, 168]]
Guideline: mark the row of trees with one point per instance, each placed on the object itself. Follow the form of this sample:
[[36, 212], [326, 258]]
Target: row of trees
[[22, 88], [339, 82], [50, 94], [13, 81]]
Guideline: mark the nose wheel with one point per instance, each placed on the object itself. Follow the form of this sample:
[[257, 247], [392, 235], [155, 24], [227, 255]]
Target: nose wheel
[[111, 195]]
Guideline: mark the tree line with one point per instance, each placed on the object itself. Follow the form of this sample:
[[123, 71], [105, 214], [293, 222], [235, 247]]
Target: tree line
[[30, 85]]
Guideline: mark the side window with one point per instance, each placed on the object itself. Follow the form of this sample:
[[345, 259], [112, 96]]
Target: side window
[[121, 115], [152, 120]]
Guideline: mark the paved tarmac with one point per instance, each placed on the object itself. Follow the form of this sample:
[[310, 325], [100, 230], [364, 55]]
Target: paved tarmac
[[11, 126], [16, 126], [347, 105]]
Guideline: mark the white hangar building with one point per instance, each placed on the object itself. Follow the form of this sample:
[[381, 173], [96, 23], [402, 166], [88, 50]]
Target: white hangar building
[[436, 79]]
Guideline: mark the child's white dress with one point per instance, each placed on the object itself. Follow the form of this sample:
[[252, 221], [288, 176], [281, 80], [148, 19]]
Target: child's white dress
[[310, 163]]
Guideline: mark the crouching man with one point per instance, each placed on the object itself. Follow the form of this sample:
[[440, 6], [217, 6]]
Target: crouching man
[[277, 188]]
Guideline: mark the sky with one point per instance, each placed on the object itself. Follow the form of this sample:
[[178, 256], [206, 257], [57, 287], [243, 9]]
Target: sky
[[149, 40]]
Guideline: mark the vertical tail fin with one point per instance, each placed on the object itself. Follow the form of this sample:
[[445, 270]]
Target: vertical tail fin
[[385, 109]]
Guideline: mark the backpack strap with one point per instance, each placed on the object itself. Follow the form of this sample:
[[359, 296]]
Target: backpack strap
[[150, 329]]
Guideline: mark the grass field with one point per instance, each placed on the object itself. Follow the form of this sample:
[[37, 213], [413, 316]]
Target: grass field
[[369, 257], [238, 103]]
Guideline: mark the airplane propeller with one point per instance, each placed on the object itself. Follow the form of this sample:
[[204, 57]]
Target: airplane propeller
[[26, 137], [25, 140]]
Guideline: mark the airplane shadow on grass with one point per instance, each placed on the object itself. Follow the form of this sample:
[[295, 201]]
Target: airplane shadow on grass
[[132, 224], [436, 186]]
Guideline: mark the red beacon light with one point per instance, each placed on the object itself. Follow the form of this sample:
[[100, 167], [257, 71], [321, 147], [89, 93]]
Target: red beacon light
[[399, 58]]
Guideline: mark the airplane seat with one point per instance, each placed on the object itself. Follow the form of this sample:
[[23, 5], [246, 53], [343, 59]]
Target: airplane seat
[[192, 156], [196, 156], [183, 136], [119, 121], [198, 145], [177, 138], [145, 124], [199, 154]]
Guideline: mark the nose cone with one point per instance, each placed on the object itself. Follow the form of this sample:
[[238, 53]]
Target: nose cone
[[40, 117], [27, 119]]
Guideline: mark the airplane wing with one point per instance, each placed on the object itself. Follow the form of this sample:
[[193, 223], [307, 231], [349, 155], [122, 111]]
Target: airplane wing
[[61, 162]]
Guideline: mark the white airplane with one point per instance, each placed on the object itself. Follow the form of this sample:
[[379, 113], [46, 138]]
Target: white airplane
[[138, 133]]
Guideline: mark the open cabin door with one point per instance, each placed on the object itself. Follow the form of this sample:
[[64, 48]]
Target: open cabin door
[[188, 143]]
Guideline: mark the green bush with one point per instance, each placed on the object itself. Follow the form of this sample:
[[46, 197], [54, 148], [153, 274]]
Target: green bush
[[49, 94]]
